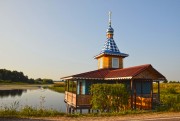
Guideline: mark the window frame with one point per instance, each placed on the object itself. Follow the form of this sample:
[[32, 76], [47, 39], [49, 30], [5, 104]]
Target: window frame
[[101, 63], [115, 61]]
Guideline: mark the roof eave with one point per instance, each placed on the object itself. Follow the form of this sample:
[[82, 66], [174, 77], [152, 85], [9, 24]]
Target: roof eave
[[118, 78], [101, 54], [88, 78], [66, 78]]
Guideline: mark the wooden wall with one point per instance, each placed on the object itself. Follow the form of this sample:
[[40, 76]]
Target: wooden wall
[[149, 73], [107, 61]]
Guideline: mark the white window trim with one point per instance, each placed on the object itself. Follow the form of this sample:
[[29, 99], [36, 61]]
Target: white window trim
[[113, 62], [101, 63]]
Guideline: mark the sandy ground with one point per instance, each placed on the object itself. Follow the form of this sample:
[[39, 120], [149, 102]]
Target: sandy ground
[[138, 117]]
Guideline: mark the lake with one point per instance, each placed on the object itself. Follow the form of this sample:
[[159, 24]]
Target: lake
[[33, 97]]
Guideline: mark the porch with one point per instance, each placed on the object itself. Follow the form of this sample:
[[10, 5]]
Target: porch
[[78, 101]]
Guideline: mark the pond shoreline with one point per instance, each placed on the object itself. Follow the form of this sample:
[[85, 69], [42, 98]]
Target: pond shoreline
[[22, 86], [18, 97]]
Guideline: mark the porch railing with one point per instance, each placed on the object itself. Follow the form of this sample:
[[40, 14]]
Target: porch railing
[[77, 100], [143, 101]]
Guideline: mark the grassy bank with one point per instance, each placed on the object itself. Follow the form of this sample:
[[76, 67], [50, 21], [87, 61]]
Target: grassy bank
[[58, 87], [22, 86], [12, 83], [29, 112], [34, 112]]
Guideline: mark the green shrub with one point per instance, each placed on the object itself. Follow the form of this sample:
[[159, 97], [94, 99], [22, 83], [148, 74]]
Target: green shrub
[[169, 102], [109, 97], [171, 90]]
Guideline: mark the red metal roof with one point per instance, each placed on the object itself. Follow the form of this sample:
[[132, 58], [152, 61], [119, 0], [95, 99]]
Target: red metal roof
[[101, 73], [113, 73], [127, 72]]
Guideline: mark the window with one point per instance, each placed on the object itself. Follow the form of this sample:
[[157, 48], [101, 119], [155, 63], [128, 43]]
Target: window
[[101, 63], [115, 62]]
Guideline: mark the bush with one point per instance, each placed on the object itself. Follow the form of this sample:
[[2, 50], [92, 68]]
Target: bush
[[109, 97], [171, 90], [169, 102]]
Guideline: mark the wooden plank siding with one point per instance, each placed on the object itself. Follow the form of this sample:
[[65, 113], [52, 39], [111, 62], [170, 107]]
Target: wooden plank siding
[[147, 74], [83, 100], [144, 101], [77, 100], [107, 61], [70, 98]]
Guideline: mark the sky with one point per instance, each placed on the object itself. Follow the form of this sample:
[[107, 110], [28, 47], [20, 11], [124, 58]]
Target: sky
[[57, 38]]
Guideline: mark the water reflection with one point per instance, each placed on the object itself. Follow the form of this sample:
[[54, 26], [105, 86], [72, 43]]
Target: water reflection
[[11, 93], [34, 98]]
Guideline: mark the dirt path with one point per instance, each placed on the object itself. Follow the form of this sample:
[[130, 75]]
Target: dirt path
[[138, 117]]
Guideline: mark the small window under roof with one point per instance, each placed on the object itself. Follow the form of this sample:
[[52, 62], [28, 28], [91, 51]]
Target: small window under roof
[[115, 62]]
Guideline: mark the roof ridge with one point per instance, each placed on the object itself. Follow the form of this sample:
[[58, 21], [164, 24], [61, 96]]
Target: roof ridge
[[141, 70]]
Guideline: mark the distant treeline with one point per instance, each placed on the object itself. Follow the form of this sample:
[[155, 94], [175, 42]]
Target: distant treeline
[[7, 76], [166, 81]]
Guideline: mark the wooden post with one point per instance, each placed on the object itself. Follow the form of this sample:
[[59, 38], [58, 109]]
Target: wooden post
[[72, 86], [76, 93], [89, 110], [151, 94], [131, 93], [73, 110], [158, 92], [65, 85], [80, 111], [135, 94], [67, 108], [141, 94], [68, 85]]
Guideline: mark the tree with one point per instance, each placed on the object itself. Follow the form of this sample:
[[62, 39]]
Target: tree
[[47, 81], [165, 81], [15, 76]]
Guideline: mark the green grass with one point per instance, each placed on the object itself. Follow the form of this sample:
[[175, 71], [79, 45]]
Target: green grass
[[169, 96], [57, 89], [8, 82], [164, 87], [29, 112], [33, 112]]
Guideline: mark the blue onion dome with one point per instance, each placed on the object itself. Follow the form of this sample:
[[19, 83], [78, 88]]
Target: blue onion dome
[[110, 47], [110, 30]]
